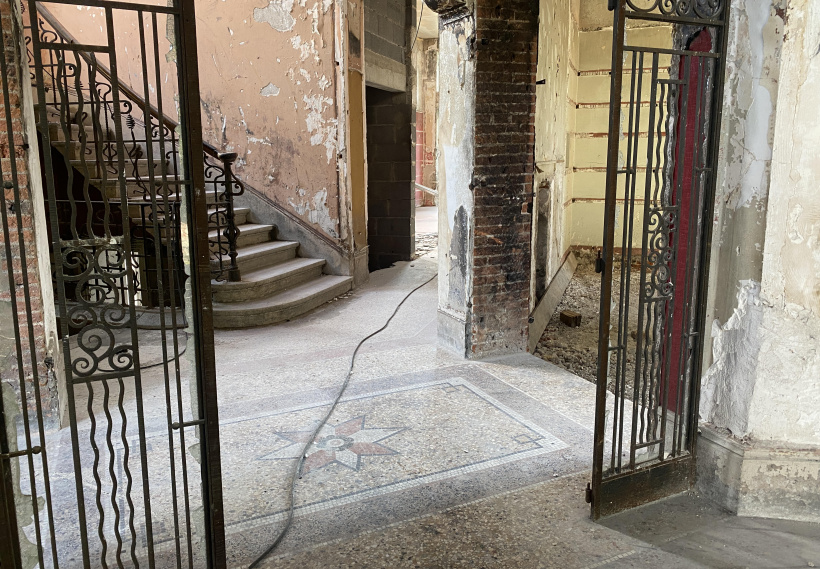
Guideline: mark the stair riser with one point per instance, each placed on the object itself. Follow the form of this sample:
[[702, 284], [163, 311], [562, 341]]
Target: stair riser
[[228, 320], [56, 133], [241, 217], [267, 259], [247, 238], [92, 169], [244, 294], [136, 192], [105, 143]]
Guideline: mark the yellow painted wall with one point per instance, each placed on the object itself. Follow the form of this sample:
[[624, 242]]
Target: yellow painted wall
[[585, 199]]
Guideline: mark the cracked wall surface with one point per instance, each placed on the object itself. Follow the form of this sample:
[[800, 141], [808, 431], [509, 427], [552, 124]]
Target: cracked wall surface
[[558, 55], [761, 395], [737, 304], [268, 89]]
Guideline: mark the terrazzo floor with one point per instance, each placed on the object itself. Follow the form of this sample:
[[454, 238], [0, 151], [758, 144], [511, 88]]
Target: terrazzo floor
[[429, 461], [418, 431]]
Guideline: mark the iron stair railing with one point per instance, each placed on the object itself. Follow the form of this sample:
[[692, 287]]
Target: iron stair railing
[[97, 151]]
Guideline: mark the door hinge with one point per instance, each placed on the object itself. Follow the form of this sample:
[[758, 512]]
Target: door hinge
[[589, 493]]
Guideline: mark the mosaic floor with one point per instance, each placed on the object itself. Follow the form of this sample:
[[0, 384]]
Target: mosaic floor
[[417, 432]]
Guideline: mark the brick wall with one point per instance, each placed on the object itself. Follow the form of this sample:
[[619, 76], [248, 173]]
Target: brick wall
[[390, 177], [506, 59], [23, 282]]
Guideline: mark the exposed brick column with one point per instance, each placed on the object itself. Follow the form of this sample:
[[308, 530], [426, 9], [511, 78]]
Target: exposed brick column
[[506, 52], [19, 206]]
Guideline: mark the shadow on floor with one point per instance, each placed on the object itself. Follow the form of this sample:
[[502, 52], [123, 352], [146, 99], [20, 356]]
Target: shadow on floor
[[690, 527]]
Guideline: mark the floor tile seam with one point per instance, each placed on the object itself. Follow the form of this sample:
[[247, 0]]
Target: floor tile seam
[[328, 391], [639, 547], [564, 415], [548, 436], [611, 559], [328, 402], [477, 501], [397, 487]]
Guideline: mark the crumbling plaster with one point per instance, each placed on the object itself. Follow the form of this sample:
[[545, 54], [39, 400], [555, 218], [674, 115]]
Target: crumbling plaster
[[764, 279], [786, 402], [554, 126], [456, 133], [269, 92]]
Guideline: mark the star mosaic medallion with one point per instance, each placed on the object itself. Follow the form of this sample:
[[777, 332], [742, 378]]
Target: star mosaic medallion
[[345, 444]]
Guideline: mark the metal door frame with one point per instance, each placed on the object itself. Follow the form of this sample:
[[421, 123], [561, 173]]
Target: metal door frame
[[624, 488], [194, 182]]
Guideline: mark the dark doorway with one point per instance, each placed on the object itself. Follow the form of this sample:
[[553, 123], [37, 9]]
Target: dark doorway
[[391, 175]]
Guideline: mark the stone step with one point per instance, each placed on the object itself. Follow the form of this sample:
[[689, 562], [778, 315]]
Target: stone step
[[268, 281], [57, 134], [264, 255], [281, 306], [92, 169], [241, 215], [135, 192], [249, 234]]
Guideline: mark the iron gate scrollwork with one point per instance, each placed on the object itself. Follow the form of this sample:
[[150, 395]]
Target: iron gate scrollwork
[[665, 102], [134, 478]]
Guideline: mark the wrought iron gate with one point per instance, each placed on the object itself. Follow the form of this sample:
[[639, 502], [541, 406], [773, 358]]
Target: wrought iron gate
[[665, 102], [133, 480]]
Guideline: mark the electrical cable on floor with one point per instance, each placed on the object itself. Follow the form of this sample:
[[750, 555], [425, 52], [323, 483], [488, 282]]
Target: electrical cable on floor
[[297, 469]]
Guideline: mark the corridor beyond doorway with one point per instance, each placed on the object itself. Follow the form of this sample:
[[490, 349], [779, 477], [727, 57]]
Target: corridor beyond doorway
[[426, 230]]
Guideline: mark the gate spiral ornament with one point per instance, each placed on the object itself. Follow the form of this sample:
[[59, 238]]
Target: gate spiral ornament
[[700, 9]]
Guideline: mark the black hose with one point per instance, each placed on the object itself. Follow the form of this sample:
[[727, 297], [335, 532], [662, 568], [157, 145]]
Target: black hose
[[297, 468]]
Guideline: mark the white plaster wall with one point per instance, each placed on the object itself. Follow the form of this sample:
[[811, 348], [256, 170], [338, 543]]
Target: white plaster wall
[[735, 308], [555, 43], [786, 401], [456, 134]]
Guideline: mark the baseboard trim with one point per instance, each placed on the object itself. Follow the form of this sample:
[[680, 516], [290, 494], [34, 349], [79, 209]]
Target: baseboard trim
[[759, 478]]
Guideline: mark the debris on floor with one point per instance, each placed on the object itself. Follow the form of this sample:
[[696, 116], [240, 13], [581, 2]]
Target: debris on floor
[[576, 348], [425, 242], [571, 318]]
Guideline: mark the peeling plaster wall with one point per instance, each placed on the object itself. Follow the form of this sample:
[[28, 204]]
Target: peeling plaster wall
[[269, 93], [736, 308], [554, 125], [456, 133], [759, 453], [786, 401], [268, 89]]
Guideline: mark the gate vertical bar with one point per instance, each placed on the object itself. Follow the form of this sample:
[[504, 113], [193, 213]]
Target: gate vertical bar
[[48, 167], [675, 249], [608, 253], [191, 122], [121, 153], [713, 151]]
